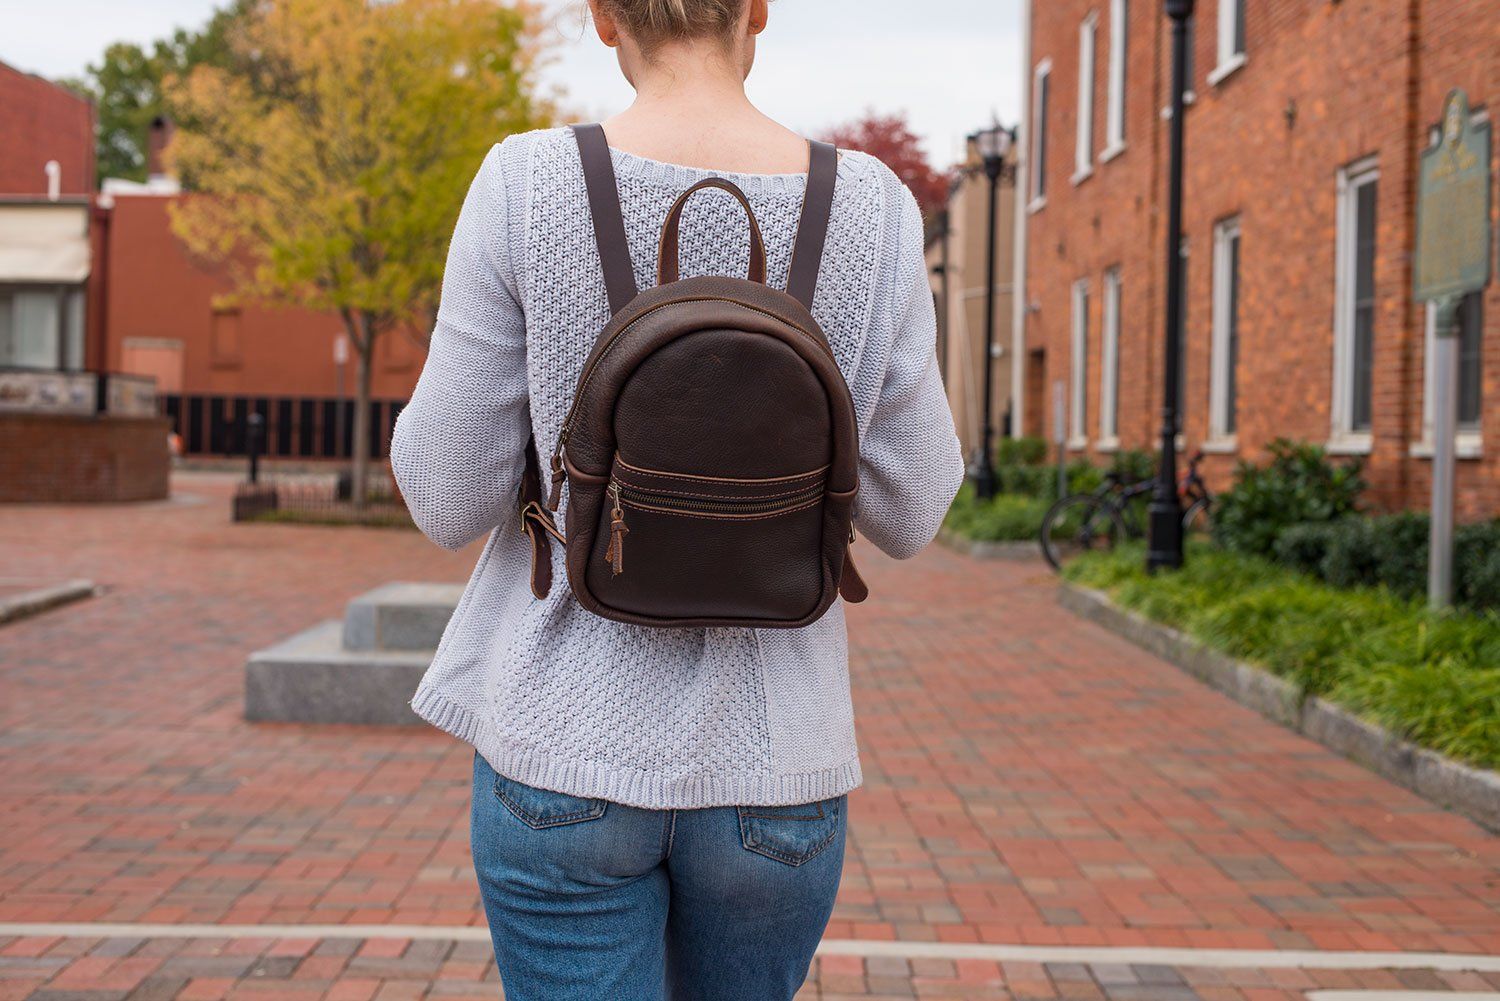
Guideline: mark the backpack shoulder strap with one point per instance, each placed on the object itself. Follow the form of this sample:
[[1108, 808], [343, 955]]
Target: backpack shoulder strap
[[604, 206], [812, 230]]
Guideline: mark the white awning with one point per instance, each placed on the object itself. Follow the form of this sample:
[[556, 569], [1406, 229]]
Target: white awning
[[44, 243]]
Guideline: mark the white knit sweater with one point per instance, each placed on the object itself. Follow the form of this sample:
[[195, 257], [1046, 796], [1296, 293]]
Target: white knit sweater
[[548, 693]]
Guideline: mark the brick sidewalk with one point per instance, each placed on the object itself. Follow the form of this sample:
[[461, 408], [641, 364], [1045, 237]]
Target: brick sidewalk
[[1030, 778], [115, 969]]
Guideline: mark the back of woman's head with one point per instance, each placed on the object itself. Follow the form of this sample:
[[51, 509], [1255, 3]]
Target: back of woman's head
[[652, 23]]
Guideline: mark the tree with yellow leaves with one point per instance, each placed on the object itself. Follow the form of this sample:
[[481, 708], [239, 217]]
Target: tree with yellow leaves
[[330, 153]]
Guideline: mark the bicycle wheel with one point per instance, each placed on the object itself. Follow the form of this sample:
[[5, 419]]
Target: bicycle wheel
[[1078, 524], [1195, 520]]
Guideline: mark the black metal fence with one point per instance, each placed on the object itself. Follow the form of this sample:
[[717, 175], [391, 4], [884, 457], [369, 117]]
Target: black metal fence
[[295, 427]]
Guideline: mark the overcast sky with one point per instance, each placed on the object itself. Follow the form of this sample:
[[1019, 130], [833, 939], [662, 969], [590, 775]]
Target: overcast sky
[[949, 64]]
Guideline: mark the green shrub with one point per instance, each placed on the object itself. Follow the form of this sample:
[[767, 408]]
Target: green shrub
[[1399, 544], [1303, 546], [1006, 517], [1434, 679], [1134, 464], [1479, 583], [1028, 481], [1299, 484], [1029, 451], [1476, 564], [1084, 477], [1350, 560]]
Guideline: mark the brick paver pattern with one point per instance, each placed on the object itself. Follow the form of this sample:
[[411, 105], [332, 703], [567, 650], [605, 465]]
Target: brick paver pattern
[[1030, 779]]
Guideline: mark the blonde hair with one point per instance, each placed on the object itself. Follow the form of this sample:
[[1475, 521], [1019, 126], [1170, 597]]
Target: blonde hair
[[650, 23]]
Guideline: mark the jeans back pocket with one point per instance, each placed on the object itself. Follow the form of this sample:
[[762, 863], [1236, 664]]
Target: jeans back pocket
[[542, 808], [791, 834]]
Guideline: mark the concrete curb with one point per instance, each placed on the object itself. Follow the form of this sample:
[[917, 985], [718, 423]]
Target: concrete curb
[[29, 603], [984, 550], [1473, 792]]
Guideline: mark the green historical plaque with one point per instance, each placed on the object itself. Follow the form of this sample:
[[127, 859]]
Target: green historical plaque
[[1453, 207], [1452, 260]]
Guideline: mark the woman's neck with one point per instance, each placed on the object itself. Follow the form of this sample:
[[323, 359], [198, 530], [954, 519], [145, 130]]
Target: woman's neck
[[690, 77], [691, 108]]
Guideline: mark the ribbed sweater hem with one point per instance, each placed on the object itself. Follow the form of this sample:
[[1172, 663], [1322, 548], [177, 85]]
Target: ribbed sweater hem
[[632, 787]]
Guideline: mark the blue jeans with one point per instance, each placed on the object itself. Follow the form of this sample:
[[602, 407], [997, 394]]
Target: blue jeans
[[588, 899]]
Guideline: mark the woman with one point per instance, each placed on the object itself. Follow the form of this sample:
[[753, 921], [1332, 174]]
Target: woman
[[656, 812]]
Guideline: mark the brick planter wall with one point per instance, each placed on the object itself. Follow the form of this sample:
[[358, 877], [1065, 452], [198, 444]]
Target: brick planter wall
[[47, 457]]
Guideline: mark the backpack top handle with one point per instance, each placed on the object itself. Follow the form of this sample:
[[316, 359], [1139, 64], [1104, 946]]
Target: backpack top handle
[[667, 257], [609, 225]]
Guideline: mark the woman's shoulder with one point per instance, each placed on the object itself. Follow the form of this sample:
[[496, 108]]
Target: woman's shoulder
[[521, 149], [878, 183]]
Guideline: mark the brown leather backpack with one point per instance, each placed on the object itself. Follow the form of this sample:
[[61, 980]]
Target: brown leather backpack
[[711, 451]]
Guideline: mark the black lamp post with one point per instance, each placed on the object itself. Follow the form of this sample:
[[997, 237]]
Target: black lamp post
[[992, 144], [1165, 549]]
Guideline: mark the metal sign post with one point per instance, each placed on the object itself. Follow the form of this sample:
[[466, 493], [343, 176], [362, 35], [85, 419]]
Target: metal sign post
[[1452, 259]]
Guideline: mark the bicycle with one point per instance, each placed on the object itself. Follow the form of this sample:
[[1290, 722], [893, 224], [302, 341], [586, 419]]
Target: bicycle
[[1084, 522]]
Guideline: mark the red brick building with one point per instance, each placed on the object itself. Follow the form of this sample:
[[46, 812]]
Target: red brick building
[[67, 433], [1303, 136], [213, 365], [41, 122]]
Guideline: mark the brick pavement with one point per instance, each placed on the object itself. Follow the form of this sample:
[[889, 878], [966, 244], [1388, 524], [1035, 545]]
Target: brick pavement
[[311, 969], [1030, 778]]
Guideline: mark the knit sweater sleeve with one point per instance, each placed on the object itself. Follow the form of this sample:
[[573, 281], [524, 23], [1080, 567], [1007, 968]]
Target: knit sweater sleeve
[[911, 464], [459, 445]]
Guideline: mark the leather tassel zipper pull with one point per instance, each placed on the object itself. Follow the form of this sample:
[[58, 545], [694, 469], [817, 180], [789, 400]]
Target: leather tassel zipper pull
[[615, 553]]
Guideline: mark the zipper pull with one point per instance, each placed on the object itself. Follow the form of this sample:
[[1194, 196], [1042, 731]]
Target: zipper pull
[[615, 554], [554, 496]]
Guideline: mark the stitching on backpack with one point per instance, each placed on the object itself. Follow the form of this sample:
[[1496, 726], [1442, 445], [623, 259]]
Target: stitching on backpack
[[723, 479], [723, 517]]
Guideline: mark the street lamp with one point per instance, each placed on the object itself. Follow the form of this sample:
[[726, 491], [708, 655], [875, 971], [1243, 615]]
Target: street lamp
[[992, 144], [1165, 548]]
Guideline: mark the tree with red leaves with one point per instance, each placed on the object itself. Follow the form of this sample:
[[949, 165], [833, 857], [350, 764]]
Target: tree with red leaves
[[889, 139]]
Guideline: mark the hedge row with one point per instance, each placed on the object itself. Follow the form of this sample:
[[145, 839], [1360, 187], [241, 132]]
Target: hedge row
[[1433, 678]]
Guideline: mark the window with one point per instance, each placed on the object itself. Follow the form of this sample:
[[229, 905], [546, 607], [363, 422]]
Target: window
[[1109, 375], [1040, 101], [1354, 304], [1114, 128], [41, 327], [1231, 39], [1084, 159], [224, 338], [1470, 386], [1079, 362], [1223, 396]]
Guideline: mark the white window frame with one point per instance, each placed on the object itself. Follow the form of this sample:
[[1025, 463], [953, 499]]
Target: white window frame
[[1219, 386], [1109, 363], [1344, 439], [1041, 106], [1078, 367], [1231, 50], [1083, 144], [1114, 128]]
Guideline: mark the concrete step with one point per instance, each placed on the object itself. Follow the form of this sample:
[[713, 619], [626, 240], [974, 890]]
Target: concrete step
[[400, 616], [313, 678]]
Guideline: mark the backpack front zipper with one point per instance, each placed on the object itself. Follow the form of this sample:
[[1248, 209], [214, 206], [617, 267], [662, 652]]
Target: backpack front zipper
[[559, 474], [621, 495]]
